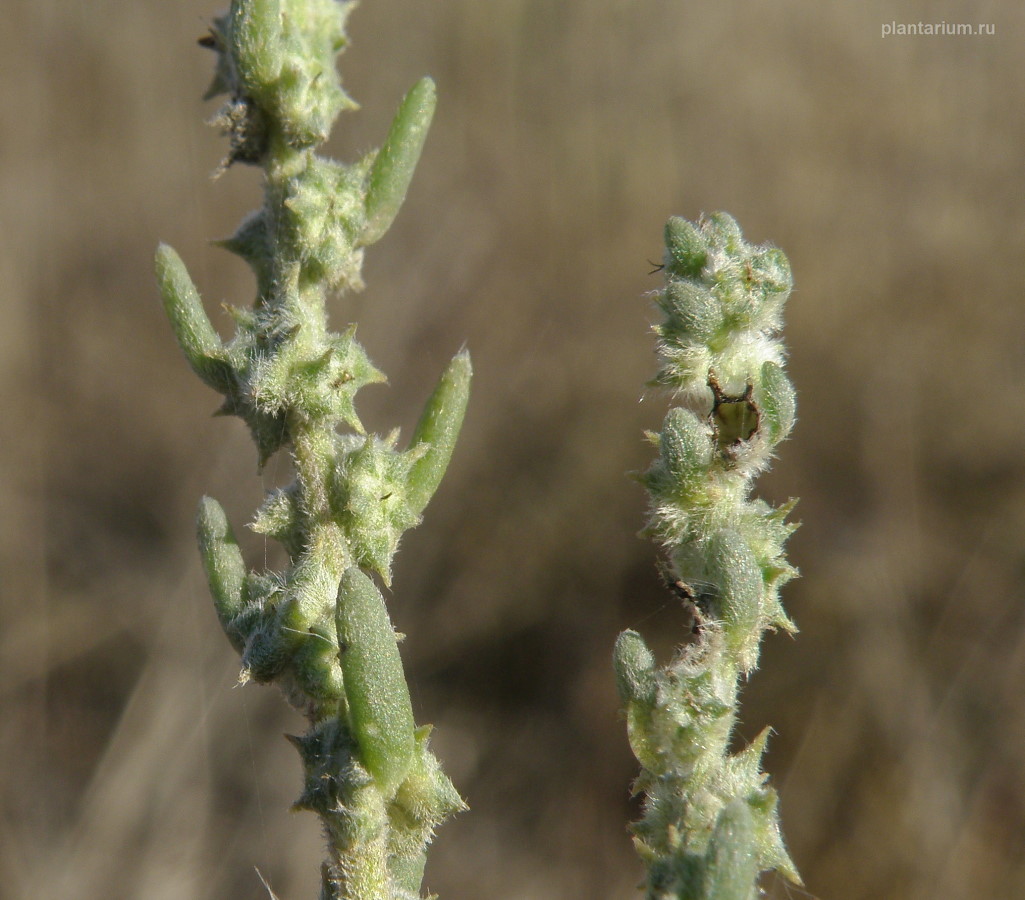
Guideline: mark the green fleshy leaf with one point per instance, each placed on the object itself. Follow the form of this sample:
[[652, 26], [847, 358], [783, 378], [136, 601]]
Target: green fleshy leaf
[[224, 566], [437, 430], [196, 336], [395, 162], [380, 713]]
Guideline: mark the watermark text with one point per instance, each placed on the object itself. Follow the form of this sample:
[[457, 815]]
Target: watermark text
[[906, 29]]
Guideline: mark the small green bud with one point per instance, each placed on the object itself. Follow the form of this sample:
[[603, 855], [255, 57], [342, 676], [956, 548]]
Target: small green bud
[[196, 336], [315, 666], [326, 218], [686, 249], [326, 385], [770, 272], [635, 669], [732, 867], [268, 649], [777, 399], [735, 569], [380, 713], [723, 233], [395, 161], [437, 431], [224, 566], [255, 33], [685, 448], [424, 800], [308, 95], [268, 382], [693, 311], [369, 491], [278, 517]]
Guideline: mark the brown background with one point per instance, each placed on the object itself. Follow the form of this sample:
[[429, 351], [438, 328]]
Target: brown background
[[890, 171]]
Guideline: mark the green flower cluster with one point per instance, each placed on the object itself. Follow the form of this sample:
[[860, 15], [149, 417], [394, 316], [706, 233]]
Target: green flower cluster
[[320, 629], [710, 824]]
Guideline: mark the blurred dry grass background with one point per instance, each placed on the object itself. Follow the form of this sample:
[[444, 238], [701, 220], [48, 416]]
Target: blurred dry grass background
[[891, 173]]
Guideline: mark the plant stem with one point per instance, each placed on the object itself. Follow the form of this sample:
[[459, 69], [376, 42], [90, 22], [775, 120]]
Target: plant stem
[[710, 824], [320, 628]]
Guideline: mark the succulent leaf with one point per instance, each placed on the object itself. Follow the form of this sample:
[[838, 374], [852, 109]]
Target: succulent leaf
[[393, 166], [380, 713]]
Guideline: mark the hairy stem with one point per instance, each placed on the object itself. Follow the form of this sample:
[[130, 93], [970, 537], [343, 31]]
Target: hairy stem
[[320, 628], [710, 825]]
